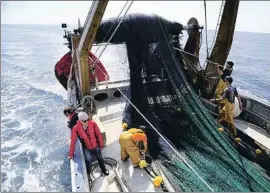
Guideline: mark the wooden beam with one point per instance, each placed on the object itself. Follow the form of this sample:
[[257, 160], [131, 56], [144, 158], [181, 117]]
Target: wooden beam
[[87, 38], [225, 34], [85, 80], [221, 47]]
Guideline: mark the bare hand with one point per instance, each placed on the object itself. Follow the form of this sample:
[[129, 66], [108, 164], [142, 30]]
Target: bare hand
[[212, 100], [70, 157]]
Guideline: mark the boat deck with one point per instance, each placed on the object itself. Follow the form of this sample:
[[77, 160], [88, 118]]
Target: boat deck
[[109, 119]]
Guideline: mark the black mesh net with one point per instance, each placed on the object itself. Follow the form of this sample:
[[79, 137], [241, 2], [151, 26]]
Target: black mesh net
[[161, 92]]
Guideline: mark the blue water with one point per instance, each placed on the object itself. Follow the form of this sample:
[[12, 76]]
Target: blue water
[[34, 140]]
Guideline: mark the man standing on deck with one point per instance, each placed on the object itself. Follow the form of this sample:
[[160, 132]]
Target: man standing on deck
[[90, 133], [226, 113], [221, 83], [72, 115]]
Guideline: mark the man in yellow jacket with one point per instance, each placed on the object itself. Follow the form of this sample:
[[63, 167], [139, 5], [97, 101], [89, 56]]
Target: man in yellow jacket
[[221, 83], [226, 113], [133, 144]]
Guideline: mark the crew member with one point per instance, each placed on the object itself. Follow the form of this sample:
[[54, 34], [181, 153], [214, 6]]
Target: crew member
[[72, 116], [133, 144], [221, 83], [226, 113], [90, 133]]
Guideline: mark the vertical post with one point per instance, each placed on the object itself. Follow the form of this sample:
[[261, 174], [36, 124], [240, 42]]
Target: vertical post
[[221, 47], [75, 42], [106, 81], [225, 33], [96, 82], [87, 38], [85, 72]]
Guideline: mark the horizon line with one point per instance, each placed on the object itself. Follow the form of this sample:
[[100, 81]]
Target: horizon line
[[77, 24]]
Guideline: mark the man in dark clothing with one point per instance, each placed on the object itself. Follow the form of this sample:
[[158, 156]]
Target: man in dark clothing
[[72, 116]]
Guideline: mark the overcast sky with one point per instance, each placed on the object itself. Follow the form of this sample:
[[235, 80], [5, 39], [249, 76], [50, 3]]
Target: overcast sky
[[253, 16]]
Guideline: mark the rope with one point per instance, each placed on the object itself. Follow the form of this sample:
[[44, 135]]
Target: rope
[[111, 28], [153, 127], [113, 34], [149, 173], [162, 184], [201, 40], [205, 17], [188, 62], [196, 56], [88, 16], [218, 23]]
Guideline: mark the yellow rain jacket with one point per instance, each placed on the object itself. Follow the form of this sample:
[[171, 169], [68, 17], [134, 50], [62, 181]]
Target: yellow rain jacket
[[226, 113], [128, 143], [219, 90]]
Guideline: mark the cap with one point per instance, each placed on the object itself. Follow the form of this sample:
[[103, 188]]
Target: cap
[[83, 116]]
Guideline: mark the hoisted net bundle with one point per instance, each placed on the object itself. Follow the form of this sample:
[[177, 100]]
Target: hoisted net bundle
[[159, 89]]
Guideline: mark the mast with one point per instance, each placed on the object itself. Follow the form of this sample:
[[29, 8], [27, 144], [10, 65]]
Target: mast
[[91, 25], [222, 45], [224, 39]]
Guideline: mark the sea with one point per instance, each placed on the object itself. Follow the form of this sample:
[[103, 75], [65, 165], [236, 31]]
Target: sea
[[34, 136]]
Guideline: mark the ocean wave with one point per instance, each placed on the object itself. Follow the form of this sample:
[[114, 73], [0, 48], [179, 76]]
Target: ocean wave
[[55, 89]]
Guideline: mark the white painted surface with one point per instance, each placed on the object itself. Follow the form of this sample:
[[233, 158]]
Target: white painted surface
[[265, 141], [236, 110], [100, 185]]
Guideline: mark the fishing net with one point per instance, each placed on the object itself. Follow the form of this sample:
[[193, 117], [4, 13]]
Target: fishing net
[[206, 159]]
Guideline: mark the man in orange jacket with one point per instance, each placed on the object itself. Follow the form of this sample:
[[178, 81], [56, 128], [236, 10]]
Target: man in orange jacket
[[133, 143], [90, 133]]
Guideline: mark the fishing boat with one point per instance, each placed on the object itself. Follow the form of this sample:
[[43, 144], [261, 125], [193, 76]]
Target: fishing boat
[[111, 100]]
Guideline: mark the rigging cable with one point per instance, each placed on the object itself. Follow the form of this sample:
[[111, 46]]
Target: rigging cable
[[196, 56], [218, 23], [206, 40], [113, 33], [111, 27], [88, 16]]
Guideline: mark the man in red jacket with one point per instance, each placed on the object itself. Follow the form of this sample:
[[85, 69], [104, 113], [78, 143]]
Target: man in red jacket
[[91, 135]]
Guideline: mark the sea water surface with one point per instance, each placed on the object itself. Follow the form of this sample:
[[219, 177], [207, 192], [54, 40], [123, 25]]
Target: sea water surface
[[34, 137]]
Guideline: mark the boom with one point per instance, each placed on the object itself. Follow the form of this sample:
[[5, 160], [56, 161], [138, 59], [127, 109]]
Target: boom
[[92, 22]]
